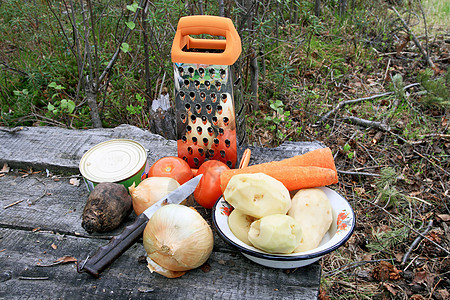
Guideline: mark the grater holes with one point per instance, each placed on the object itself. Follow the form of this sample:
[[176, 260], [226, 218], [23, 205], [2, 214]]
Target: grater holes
[[193, 119], [182, 95], [208, 108], [189, 129], [190, 150], [212, 73], [181, 70], [227, 143], [219, 109], [216, 142], [183, 118], [194, 140], [215, 120], [213, 97], [207, 84], [210, 131], [184, 139], [200, 130], [200, 151], [192, 95], [203, 96], [222, 153], [229, 164], [218, 85], [204, 120], [221, 131], [185, 158], [198, 108], [191, 71], [186, 83], [211, 152], [197, 84], [187, 106], [222, 73], [205, 142], [226, 121], [196, 161], [201, 72], [224, 98]]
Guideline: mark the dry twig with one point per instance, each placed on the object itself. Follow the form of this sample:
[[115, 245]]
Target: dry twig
[[416, 242], [416, 41]]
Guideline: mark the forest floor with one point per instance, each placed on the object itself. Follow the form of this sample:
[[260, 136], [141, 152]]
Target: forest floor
[[395, 172]]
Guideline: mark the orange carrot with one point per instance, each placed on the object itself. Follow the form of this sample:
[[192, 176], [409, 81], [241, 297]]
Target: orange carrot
[[317, 158], [320, 158], [293, 177]]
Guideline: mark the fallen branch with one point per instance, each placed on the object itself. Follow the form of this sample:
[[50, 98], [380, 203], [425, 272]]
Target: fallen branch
[[358, 173], [343, 103], [416, 41], [409, 227], [416, 242], [367, 123]]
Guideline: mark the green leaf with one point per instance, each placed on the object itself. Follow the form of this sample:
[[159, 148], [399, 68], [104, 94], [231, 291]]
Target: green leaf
[[125, 47], [133, 7], [70, 106], [130, 25], [56, 86]]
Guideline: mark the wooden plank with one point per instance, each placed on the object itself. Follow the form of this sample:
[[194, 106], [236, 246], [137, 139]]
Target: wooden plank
[[59, 149], [38, 211], [229, 276]]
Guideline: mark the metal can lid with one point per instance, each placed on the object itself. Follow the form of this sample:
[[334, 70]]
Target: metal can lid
[[113, 161]]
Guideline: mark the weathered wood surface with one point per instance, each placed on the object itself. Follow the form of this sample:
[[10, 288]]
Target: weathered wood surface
[[46, 225], [60, 149]]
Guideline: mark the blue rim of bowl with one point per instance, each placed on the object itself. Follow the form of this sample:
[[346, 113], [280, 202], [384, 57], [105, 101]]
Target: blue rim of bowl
[[282, 257]]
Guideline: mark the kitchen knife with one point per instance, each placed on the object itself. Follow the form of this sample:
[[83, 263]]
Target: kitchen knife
[[105, 255]]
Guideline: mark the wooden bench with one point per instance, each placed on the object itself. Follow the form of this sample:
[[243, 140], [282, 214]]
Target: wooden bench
[[40, 222]]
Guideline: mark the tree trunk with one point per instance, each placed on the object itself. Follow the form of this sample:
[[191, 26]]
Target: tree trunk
[[317, 8], [91, 98], [254, 75]]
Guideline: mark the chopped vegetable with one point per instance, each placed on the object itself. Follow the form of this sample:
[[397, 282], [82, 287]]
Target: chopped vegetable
[[257, 195], [312, 209], [276, 233], [239, 224]]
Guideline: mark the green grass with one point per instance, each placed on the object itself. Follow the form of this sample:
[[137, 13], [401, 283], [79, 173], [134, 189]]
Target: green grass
[[438, 15]]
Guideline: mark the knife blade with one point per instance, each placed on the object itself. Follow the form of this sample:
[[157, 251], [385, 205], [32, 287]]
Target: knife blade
[[105, 255]]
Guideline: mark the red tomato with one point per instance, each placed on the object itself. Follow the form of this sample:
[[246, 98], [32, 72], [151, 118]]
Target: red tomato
[[171, 166], [208, 189]]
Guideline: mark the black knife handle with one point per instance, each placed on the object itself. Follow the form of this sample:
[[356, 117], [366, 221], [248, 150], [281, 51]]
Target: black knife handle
[[105, 255]]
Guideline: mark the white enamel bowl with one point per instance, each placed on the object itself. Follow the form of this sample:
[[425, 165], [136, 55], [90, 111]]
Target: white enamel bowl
[[340, 231]]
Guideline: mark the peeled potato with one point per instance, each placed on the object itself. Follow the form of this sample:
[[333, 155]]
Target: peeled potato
[[275, 234], [257, 195], [312, 209], [239, 224]]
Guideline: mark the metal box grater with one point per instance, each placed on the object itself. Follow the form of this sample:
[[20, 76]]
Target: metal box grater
[[207, 91]]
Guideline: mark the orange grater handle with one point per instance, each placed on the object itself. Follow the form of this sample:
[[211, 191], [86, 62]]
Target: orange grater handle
[[212, 25]]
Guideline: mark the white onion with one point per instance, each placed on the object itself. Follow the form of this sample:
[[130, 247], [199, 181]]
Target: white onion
[[177, 239], [150, 191]]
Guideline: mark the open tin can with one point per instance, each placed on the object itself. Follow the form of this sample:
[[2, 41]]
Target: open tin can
[[120, 161]]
